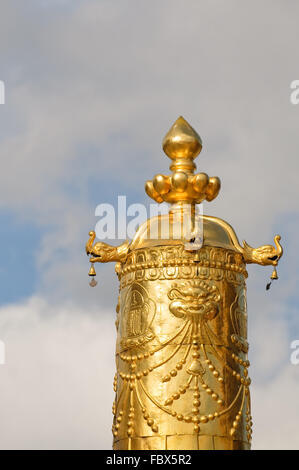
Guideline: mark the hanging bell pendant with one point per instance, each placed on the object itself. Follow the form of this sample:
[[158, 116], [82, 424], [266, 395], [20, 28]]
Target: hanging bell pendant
[[274, 274], [93, 282], [273, 277], [92, 271]]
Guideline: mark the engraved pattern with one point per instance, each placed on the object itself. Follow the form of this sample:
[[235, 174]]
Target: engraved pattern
[[175, 262], [138, 315], [192, 358]]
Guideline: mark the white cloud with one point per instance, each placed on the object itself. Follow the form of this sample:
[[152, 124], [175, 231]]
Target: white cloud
[[56, 386], [276, 411]]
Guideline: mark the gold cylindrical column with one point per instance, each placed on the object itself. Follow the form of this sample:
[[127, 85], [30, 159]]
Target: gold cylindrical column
[[182, 370], [181, 377]]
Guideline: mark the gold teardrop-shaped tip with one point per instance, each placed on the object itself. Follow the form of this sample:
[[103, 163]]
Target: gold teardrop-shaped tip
[[182, 141], [196, 368]]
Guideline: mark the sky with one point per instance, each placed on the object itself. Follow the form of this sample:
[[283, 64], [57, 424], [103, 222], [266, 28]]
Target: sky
[[91, 88]]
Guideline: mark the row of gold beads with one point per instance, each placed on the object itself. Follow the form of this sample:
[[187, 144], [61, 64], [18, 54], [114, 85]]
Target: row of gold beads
[[195, 419], [116, 427], [196, 407], [236, 423], [184, 262], [139, 357], [196, 393], [245, 380], [130, 423], [213, 394], [150, 421], [174, 372], [176, 395], [238, 418], [249, 424], [214, 371]]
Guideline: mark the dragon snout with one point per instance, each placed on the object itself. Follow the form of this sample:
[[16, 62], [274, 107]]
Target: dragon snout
[[273, 260]]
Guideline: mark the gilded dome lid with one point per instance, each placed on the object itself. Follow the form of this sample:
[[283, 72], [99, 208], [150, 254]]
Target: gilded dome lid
[[167, 230]]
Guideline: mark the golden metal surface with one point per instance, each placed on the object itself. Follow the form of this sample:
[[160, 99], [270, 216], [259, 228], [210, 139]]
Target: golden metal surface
[[263, 255], [103, 253], [182, 144], [181, 377], [182, 350], [92, 271], [274, 274]]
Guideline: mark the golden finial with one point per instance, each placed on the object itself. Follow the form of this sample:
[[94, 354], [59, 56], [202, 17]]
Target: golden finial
[[182, 144]]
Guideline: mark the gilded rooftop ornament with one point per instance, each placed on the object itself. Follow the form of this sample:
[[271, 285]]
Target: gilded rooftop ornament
[[182, 145], [182, 378]]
